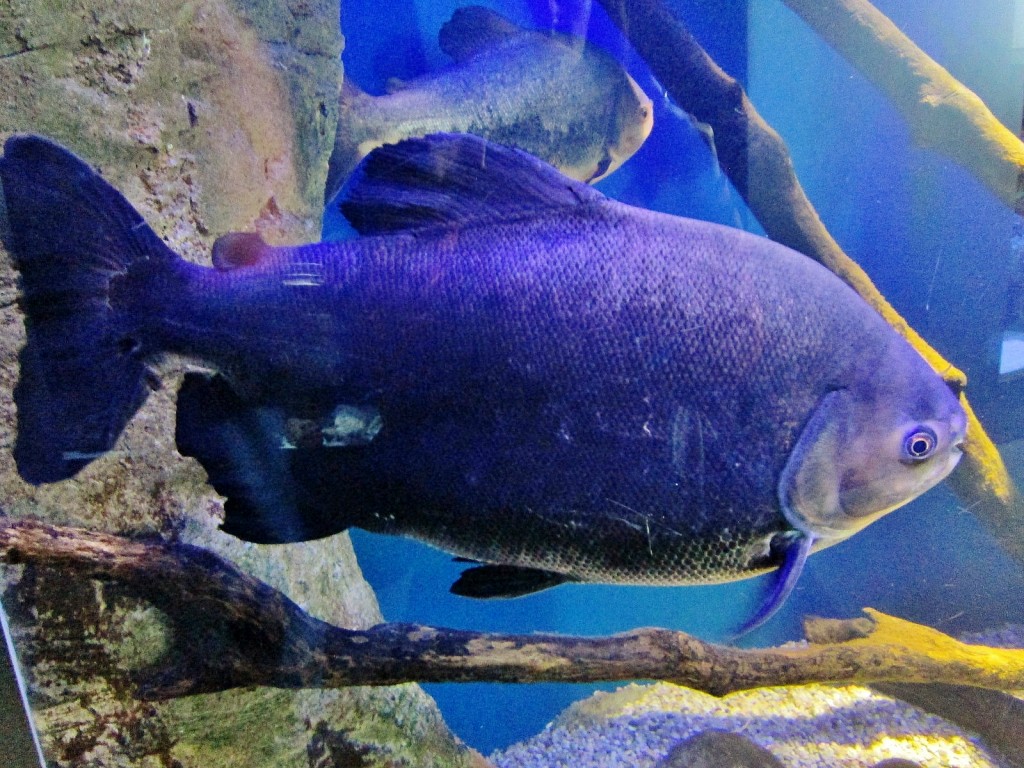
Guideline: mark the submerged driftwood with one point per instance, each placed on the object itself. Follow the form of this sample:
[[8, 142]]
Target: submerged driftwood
[[995, 716], [225, 630], [944, 115], [757, 162]]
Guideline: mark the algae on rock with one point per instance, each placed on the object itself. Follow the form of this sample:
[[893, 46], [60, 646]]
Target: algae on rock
[[210, 117]]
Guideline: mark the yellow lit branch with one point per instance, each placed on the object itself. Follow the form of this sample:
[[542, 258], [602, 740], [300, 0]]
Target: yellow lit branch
[[943, 114], [228, 630]]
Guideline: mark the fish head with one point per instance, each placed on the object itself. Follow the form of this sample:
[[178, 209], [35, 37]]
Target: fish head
[[870, 448], [633, 120]]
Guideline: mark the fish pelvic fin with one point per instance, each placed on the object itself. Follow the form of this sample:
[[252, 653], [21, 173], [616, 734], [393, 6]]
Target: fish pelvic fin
[[795, 547], [453, 180], [83, 253], [501, 581]]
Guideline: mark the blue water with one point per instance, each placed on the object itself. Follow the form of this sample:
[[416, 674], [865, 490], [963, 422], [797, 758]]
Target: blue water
[[933, 240]]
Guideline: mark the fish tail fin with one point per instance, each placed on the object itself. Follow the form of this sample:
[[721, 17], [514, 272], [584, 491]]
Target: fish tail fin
[[361, 122], [76, 242]]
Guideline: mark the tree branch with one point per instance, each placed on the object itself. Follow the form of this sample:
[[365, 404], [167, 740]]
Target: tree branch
[[943, 114], [757, 162], [228, 629]]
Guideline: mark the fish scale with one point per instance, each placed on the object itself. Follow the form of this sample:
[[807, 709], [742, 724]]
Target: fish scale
[[567, 388]]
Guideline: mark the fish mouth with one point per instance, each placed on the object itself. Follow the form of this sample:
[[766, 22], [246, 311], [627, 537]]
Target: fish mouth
[[631, 140], [604, 167]]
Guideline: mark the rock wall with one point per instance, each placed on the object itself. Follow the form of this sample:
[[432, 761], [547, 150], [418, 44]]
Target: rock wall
[[210, 116]]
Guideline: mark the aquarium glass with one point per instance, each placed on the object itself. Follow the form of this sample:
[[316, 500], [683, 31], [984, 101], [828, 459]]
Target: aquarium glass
[[521, 384]]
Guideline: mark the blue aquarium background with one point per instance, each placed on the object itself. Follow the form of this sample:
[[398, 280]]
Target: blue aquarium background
[[937, 244]]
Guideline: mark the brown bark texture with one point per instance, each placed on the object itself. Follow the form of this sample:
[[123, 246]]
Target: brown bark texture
[[226, 629]]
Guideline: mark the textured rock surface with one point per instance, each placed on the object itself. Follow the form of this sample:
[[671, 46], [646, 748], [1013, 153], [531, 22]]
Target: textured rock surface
[[210, 116], [813, 726], [718, 749]]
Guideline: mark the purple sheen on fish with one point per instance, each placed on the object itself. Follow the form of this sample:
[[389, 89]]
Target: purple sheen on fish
[[555, 385]]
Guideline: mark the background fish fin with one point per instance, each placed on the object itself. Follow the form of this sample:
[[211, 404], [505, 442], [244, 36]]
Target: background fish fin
[[449, 180], [349, 92], [239, 249], [474, 29], [490, 581], [795, 547], [242, 447], [394, 85]]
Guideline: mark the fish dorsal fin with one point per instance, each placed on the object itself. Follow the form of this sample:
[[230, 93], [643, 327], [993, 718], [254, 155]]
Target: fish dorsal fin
[[239, 249], [474, 29], [453, 180]]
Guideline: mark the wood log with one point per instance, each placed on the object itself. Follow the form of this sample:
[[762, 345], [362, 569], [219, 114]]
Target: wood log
[[995, 716], [944, 115], [228, 630]]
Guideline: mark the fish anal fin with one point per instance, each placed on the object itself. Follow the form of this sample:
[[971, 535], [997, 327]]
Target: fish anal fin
[[793, 547], [498, 581], [243, 449], [239, 249], [473, 29], [453, 180]]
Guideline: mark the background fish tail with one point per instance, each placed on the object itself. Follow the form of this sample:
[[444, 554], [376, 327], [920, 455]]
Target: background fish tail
[[361, 127], [82, 252]]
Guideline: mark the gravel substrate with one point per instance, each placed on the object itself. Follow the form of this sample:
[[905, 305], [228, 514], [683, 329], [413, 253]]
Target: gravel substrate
[[812, 726]]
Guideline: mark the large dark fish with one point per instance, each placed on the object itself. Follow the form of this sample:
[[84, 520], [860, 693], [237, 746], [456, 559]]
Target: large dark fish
[[508, 365], [558, 97]]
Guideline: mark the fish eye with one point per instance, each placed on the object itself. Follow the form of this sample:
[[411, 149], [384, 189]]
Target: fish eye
[[919, 444]]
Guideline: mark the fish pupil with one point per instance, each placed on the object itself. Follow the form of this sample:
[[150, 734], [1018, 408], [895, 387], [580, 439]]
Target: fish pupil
[[920, 444]]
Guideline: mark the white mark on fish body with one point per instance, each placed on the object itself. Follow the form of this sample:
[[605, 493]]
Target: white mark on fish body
[[636, 526], [85, 455], [305, 273]]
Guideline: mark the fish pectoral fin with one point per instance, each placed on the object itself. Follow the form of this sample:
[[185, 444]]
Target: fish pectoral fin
[[795, 546], [473, 29], [239, 249], [492, 581]]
